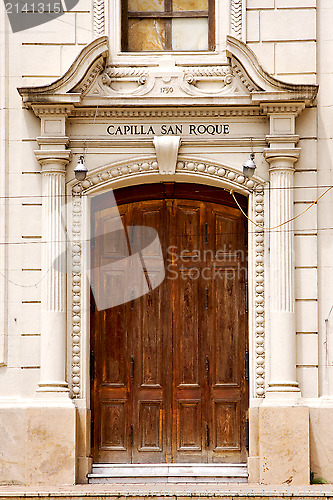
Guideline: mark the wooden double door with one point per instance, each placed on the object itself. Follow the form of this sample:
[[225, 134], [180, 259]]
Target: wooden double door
[[169, 380]]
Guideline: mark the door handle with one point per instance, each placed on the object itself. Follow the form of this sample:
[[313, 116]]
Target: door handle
[[207, 435], [131, 435], [132, 366]]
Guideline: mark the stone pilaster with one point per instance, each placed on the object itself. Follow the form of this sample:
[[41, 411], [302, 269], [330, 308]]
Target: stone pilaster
[[53, 339], [282, 273], [283, 420]]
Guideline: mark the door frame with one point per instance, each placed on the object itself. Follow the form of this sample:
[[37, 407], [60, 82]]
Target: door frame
[[125, 174]]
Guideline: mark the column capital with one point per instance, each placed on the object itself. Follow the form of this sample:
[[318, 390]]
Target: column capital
[[281, 158], [53, 161]]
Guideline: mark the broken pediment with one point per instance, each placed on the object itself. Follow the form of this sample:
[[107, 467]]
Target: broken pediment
[[240, 80]]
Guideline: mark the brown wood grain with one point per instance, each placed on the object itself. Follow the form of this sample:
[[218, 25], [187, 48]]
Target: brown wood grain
[[169, 382]]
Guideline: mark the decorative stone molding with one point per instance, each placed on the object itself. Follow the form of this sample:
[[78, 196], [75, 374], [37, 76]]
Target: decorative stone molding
[[76, 286], [99, 18], [248, 84], [236, 18], [166, 113], [114, 73], [259, 292], [208, 72], [91, 77], [103, 178]]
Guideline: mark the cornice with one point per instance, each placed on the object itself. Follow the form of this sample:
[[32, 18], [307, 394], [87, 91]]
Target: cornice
[[96, 142], [54, 141], [292, 139], [80, 71], [282, 107], [238, 50]]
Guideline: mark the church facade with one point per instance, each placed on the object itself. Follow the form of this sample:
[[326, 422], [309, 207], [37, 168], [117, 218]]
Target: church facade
[[160, 304]]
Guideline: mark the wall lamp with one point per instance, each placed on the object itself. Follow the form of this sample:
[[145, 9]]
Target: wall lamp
[[249, 166], [80, 170]]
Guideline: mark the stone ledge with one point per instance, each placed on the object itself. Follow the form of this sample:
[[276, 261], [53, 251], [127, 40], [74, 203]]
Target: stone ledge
[[161, 490]]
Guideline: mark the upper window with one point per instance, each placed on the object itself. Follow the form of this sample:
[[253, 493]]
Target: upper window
[[168, 25]]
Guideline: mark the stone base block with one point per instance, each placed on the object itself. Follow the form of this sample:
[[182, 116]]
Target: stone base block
[[38, 445], [253, 469], [84, 463], [284, 445], [321, 443], [84, 466]]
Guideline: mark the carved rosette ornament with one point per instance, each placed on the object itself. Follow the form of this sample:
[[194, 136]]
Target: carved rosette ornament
[[230, 179]]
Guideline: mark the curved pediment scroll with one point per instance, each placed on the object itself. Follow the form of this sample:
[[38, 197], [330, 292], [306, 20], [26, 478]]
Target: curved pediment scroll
[[239, 79]]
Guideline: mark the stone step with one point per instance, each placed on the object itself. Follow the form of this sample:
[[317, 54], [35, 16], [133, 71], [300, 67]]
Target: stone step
[[168, 473]]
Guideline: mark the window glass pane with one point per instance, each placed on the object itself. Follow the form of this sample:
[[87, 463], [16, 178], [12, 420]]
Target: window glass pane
[[145, 5], [146, 34], [190, 34], [190, 5]]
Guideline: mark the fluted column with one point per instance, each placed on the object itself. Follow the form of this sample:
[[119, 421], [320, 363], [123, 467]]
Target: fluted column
[[282, 274], [53, 321]]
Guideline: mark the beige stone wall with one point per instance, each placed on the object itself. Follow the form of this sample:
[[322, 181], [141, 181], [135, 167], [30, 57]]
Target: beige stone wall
[[34, 56], [283, 35]]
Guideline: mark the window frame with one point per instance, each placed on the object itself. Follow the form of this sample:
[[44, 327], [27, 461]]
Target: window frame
[[168, 14]]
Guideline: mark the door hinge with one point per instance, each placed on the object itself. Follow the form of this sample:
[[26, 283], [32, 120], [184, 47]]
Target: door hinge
[[92, 366], [131, 435], [246, 233], [246, 365], [246, 297], [207, 366], [206, 299], [92, 299], [206, 233], [207, 435], [247, 434]]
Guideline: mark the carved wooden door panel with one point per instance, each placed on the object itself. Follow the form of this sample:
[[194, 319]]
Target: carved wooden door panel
[[169, 382], [226, 327]]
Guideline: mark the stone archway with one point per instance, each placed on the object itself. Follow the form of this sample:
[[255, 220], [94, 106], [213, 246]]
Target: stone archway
[[142, 172]]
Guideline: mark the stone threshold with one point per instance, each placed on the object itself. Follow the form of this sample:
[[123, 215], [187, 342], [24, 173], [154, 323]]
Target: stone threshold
[[170, 473], [166, 490]]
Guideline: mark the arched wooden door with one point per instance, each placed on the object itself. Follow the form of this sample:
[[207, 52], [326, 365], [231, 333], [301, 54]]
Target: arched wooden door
[[169, 377]]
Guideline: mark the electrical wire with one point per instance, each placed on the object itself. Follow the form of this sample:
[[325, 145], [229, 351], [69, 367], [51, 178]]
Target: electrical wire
[[282, 223]]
